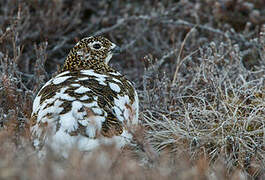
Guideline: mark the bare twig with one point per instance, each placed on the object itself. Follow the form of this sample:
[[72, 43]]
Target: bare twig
[[179, 62]]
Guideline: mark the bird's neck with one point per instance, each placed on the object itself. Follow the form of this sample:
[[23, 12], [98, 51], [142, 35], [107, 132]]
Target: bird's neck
[[74, 63]]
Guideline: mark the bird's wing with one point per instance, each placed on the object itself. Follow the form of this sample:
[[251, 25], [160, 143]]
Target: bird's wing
[[80, 103]]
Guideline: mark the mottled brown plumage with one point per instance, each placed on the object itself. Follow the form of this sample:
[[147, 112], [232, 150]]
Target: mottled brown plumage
[[95, 59], [87, 99]]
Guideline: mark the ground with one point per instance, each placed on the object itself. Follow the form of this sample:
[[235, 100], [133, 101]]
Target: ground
[[198, 67]]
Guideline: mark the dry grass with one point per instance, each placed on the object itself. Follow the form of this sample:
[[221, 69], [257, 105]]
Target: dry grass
[[198, 67]]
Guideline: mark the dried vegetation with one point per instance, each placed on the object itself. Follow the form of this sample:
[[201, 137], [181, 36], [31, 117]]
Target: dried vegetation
[[199, 68]]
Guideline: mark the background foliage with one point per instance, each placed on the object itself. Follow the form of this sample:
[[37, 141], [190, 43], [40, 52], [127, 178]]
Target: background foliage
[[198, 67]]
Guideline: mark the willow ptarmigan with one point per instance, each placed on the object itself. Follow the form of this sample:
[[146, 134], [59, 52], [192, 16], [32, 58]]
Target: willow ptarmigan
[[87, 103]]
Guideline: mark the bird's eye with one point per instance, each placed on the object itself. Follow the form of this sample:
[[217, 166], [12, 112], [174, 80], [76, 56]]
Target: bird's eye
[[97, 46]]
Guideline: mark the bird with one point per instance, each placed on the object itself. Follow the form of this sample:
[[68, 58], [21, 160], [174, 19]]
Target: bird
[[86, 104]]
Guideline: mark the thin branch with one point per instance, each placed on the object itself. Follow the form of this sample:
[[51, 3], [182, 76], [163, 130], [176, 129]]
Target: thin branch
[[179, 62]]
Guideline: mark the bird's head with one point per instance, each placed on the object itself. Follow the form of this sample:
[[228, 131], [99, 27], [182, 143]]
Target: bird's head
[[90, 51]]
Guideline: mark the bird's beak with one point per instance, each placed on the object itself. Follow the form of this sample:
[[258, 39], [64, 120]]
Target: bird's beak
[[116, 50]]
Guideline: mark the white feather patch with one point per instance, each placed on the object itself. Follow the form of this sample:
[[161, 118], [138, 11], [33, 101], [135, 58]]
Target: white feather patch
[[83, 98], [59, 80], [114, 87], [82, 90], [75, 85], [62, 74], [101, 78]]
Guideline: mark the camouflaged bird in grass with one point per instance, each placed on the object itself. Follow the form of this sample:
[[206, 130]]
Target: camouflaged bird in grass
[[87, 103]]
